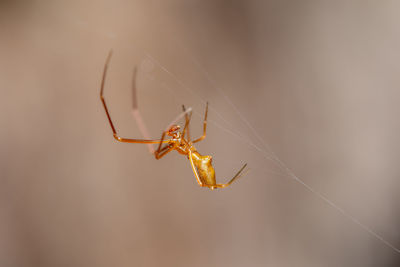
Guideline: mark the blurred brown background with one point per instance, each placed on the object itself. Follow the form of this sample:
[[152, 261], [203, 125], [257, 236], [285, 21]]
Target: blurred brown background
[[318, 81]]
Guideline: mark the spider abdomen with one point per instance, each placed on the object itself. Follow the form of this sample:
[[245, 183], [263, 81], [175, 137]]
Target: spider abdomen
[[204, 168]]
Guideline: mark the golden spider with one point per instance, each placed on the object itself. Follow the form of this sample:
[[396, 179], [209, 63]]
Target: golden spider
[[179, 141]]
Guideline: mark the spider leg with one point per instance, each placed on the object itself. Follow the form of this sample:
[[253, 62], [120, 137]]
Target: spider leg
[[161, 152], [204, 127], [116, 136], [194, 170], [164, 151], [237, 175], [187, 124], [134, 91], [136, 113], [159, 145]]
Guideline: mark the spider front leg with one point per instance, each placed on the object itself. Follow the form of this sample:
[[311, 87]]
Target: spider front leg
[[187, 123], [115, 134], [161, 152], [204, 127], [136, 113]]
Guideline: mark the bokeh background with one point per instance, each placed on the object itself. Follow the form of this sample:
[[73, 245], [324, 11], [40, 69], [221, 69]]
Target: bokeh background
[[312, 86]]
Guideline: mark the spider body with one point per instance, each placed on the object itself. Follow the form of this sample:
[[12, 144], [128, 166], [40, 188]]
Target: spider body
[[179, 141], [202, 164], [205, 169]]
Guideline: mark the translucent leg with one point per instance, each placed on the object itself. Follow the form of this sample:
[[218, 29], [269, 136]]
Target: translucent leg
[[204, 127]]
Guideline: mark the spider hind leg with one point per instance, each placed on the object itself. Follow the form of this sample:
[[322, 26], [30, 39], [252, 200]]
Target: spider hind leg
[[237, 176]]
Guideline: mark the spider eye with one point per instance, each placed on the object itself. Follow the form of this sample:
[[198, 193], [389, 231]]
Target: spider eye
[[174, 128]]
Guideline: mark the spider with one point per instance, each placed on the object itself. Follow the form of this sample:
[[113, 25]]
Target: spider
[[180, 141]]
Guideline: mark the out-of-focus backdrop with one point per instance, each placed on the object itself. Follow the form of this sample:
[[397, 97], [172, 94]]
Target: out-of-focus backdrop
[[304, 87]]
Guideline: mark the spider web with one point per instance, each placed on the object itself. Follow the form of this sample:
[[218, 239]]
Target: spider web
[[268, 155]]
